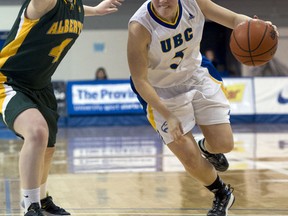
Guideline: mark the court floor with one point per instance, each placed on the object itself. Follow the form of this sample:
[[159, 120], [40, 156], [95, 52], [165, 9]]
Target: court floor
[[126, 171]]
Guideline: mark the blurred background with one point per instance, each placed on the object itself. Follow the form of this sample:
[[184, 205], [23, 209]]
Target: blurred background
[[253, 91], [104, 130], [103, 41]]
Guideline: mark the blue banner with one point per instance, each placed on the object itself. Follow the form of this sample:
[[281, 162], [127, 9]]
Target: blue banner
[[3, 36], [101, 97]]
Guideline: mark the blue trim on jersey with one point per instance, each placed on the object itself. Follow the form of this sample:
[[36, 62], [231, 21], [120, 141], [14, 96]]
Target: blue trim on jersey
[[163, 23], [141, 100], [211, 68]]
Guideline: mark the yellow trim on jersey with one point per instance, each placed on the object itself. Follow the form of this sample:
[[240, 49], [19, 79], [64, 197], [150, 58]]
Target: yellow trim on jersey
[[162, 20], [222, 85], [2, 90], [215, 80], [74, 2], [224, 89], [12, 48], [150, 116], [3, 79]]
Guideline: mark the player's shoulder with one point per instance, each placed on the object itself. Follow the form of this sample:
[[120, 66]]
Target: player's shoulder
[[38, 8], [141, 16]]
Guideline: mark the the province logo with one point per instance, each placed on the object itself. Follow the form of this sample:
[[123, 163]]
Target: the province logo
[[235, 92]]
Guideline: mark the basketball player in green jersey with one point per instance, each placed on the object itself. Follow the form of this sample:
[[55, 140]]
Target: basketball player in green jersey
[[41, 36]]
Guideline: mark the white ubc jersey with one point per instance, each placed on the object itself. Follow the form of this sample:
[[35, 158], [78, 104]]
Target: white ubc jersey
[[174, 52]]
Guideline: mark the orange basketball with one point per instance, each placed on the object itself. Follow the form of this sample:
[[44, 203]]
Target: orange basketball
[[253, 42]]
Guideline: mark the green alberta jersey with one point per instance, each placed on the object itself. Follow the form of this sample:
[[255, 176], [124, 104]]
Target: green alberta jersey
[[34, 48]]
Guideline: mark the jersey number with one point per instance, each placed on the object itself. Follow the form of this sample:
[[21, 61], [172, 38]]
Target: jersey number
[[178, 55], [57, 51]]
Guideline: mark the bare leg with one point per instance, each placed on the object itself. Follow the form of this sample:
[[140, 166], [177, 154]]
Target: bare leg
[[47, 164], [33, 127], [189, 155], [218, 138]]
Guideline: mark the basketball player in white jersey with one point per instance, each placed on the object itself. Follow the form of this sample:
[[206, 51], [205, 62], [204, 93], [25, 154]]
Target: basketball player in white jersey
[[177, 92]]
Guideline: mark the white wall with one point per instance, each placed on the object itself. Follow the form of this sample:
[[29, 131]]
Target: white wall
[[82, 60], [281, 53], [7, 16]]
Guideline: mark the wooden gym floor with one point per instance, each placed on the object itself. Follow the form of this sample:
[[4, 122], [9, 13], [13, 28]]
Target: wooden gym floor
[[126, 171]]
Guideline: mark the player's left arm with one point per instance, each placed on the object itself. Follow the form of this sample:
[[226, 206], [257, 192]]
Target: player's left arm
[[103, 8], [224, 16], [221, 15]]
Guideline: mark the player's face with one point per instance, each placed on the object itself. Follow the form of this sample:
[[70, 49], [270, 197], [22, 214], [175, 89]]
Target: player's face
[[166, 9]]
